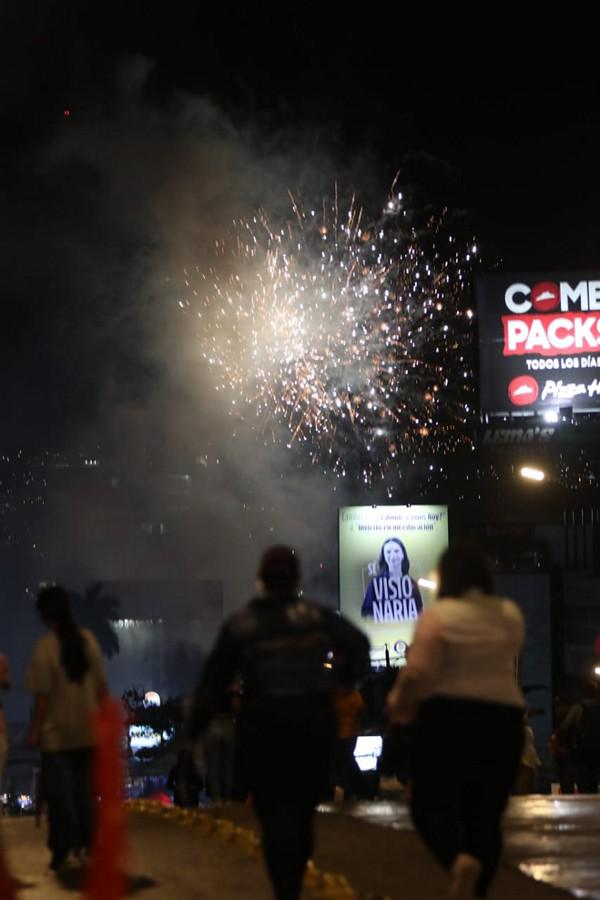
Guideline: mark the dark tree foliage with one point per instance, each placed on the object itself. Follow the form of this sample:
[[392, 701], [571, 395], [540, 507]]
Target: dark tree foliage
[[98, 611]]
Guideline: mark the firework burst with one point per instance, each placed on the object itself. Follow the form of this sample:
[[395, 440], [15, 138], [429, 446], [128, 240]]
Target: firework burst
[[352, 335]]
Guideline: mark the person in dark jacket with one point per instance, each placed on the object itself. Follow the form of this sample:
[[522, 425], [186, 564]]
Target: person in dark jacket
[[290, 655], [185, 780]]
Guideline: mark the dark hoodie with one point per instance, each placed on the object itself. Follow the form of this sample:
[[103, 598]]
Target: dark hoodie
[[282, 647]]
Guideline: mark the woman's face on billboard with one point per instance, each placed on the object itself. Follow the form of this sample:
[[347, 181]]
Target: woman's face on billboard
[[393, 555]]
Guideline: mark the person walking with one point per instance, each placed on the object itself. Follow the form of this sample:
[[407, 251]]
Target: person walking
[[349, 706], [588, 740], [5, 679], [185, 780], [529, 764], [290, 654], [219, 749], [563, 743], [67, 678], [459, 686]]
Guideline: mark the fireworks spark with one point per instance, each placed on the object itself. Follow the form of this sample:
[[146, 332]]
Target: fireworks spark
[[353, 335]]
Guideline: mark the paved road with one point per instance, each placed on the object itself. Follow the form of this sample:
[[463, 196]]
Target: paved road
[[164, 861], [557, 840], [552, 839]]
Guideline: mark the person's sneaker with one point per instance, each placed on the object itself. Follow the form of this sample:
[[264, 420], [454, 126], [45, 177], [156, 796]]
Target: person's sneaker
[[464, 873]]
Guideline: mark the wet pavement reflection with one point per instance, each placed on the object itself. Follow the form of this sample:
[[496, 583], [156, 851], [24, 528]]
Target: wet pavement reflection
[[554, 839]]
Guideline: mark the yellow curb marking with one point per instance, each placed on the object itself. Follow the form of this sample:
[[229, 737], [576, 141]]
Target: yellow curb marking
[[321, 885]]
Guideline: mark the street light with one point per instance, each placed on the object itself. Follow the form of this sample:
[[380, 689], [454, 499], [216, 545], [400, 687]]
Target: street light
[[551, 415], [427, 583], [532, 474]]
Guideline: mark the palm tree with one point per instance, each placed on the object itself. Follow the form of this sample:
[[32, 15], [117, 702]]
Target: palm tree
[[97, 612]]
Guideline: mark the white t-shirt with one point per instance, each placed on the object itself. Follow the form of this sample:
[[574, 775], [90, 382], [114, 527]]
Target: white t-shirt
[[468, 648], [67, 725]]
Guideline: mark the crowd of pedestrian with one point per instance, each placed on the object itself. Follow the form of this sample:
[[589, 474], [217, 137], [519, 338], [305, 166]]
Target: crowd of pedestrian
[[575, 743], [280, 706]]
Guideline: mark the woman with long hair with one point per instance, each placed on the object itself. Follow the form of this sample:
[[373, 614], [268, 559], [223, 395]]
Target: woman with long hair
[[392, 595], [459, 687], [67, 678]]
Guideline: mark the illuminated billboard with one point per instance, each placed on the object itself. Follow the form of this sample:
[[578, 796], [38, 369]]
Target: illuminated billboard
[[388, 556], [539, 342]]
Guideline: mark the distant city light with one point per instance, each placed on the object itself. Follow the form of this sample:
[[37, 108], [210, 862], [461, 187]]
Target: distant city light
[[135, 623], [367, 751], [151, 698], [143, 737]]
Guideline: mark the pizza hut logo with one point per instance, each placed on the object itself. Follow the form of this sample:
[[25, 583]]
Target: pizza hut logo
[[523, 390], [549, 296], [545, 296]]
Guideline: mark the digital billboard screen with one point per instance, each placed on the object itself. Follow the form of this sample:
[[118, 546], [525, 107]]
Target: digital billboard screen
[[539, 342], [388, 557]]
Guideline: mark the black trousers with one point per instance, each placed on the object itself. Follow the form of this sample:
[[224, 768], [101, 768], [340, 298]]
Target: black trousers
[[286, 749], [68, 791], [465, 759], [347, 772], [588, 771]]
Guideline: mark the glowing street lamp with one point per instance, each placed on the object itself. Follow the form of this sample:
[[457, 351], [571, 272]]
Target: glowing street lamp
[[427, 583], [532, 474]]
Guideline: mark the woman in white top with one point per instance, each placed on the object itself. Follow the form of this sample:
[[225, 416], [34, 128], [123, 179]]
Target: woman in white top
[[459, 686]]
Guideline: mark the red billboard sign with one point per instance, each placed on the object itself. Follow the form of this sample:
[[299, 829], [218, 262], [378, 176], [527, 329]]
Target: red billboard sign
[[539, 341]]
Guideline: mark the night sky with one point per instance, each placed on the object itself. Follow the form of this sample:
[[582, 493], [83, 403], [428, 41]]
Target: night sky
[[499, 124], [133, 134]]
